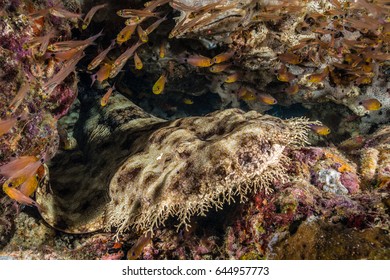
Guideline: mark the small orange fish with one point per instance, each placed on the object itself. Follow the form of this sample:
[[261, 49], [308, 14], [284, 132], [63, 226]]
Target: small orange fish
[[198, 61], [135, 20], [154, 25], [217, 68], [8, 188], [122, 59], [289, 58], [66, 69], [246, 94], [57, 11], [162, 49], [188, 101], [143, 36], [232, 78], [159, 86], [128, 13], [267, 99], [50, 68], [284, 75], [73, 44], [125, 34], [29, 186], [137, 248], [371, 104], [320, 129], [87, 19], [102, 74], [106, 96], [17, 100], [222, 57], [6, 125], [318, 77], [363, 80], [22, 166], [292, 89], [99, 58], [137, 62]]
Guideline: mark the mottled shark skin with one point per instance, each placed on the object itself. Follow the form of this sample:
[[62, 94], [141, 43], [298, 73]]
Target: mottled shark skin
[[75, 199], [134, 171], [197, 163]]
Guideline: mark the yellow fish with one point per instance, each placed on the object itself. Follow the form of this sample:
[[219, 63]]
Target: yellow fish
[[320, 129], [159, 86], [232, 78], [284, 75], [318, 77], [289, 58], [222, 57], [102, 74], [143, 36], [87, 19], [267, 99], [292, 89], [162, 49], [137, 62], [125, 34], [371, 104], [216, 68], [246, 94], [106, 96], [138, 247], [198, 61], [188, 101]]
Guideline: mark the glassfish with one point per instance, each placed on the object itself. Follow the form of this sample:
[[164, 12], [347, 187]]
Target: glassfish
[[137, 248], [57, 11], [87, 19], [246, 94], [99, 58], [17, 195], [216, 68], [68, 68], [162, 49], [232, 77], [17, 100], [284, 75], [122, 59], [290, 58], [318, 77], [14, 167], [143, 36], [102, 74], [188, 101], [222, 57], [198, 61], [106, 96], [159, 86], [154, 25], [137, 62], [267, 99], [6, 125], [371, 104], [125, 34], [127, 13], [67, 45], [320, 129], [292, 89]]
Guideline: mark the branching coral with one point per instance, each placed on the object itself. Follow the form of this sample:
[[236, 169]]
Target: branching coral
[[197, 163]]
